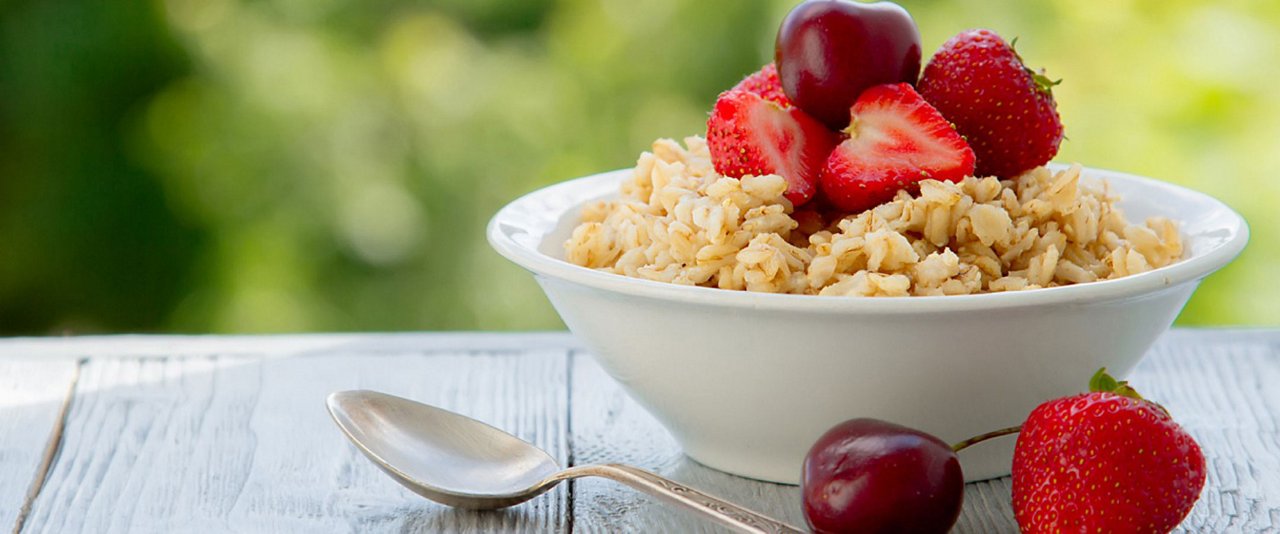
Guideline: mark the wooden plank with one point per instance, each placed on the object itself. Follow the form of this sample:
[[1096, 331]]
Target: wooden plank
[[1221, 385], [1215, 336], [133, 346], [281, 345], [32, 396], [987, 508], [245, 444]]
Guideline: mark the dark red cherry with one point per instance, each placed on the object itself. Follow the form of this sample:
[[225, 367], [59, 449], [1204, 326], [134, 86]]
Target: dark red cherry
[[867, 475], [828, 51]]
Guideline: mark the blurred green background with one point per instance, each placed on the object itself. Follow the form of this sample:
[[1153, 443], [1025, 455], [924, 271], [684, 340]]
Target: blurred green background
[[298, 165]]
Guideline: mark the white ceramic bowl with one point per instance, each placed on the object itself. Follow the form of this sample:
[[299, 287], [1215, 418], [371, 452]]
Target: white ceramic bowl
[[747, 381]]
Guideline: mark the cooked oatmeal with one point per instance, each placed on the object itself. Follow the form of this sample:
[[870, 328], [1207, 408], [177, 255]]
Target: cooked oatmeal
[[677, 220]]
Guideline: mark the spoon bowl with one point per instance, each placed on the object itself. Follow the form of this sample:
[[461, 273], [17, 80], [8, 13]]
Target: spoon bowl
[[443, 456]]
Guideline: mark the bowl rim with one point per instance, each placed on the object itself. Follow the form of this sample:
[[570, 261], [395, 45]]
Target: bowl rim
[[1189, 269]]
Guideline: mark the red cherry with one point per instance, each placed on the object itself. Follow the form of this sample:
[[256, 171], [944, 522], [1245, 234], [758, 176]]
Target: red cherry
[[867, 475], [829, 51]]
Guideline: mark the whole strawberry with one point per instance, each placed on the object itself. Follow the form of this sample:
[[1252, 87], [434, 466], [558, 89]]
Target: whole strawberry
[[1104, 461], [765, 82], [1003, 109]]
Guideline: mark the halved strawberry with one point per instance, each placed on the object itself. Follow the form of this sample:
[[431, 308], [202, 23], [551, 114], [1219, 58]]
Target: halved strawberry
[[748, 134], [765, 82], [896, 139]]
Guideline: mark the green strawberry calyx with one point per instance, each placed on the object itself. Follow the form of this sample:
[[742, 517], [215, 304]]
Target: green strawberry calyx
[[1043, 83], [1102, 382]]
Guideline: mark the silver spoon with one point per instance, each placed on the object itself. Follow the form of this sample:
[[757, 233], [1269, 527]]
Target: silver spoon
[[455, 460]]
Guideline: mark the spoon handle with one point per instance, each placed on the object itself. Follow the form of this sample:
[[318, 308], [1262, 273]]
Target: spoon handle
[[723, 512]]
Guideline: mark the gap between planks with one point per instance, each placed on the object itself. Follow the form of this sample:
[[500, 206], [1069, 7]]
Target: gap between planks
[[570, 459], [51, 448]]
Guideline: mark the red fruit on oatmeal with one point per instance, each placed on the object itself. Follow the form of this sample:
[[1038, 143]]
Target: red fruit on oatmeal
[[1004, 109], [748, 134], [896, 139], [765, 82], [1104, 461], [829, 51]]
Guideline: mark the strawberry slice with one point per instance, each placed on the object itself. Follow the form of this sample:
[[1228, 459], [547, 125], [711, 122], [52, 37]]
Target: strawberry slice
[[896, 139], [749, 134]]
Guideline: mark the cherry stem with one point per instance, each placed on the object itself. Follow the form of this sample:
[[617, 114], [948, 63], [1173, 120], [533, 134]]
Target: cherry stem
[[983, 437]]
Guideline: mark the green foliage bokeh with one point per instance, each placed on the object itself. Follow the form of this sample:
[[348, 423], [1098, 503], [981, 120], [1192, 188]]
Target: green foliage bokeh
[[297, 165]]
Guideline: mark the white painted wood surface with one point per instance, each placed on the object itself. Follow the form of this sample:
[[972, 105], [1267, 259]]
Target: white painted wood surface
[[32, 396], [229, 434], [240, 444]]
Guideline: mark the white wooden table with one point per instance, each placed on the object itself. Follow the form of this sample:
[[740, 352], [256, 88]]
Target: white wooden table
[[229, 434]]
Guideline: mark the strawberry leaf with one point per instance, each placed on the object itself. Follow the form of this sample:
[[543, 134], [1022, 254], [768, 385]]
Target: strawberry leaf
[[1043, 83], [1103, 382]]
